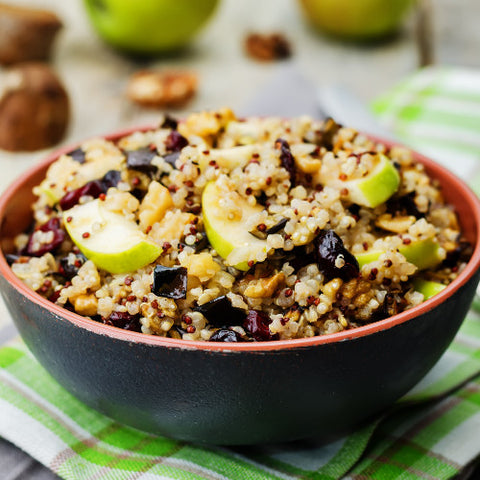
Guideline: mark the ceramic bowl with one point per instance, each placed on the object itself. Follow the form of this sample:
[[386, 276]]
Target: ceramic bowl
[[243, 393]]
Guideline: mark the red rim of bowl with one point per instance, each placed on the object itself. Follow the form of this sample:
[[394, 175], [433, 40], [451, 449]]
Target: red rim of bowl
[[136, 337]]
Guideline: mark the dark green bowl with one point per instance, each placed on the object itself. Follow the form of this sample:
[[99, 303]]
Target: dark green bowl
[[243, 393]]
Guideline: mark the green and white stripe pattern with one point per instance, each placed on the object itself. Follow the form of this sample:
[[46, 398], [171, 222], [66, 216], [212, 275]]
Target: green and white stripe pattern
[[430, 433], [437, 112]]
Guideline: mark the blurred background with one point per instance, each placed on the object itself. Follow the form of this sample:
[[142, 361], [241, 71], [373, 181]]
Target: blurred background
[[96, 76]]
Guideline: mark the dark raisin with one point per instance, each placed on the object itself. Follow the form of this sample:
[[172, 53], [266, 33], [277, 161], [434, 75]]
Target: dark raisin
[[78, 155], [257, 325], [262, 198], [404, 205], [201, 243], [220, 313], [277, 227], [325, 137], [461, 253], [92, 189], [171, 158], [111, 179], [354, 209], [225, 335], [286, 159], [69, 270], [170, 282], [124, 320], [53, 225], [301, 257], [169, 122], [175, 142], [11, 258], [141, 160], [329, 247]]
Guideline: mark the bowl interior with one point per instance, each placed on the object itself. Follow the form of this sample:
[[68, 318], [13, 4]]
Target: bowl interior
[[16, 216]]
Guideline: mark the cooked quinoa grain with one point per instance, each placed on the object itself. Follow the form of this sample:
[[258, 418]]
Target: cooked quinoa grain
[[224, 229]]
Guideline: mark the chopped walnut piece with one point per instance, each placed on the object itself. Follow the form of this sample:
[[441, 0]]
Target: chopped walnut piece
[[162, 89], [265, 287], [267, 47], [398, 224]]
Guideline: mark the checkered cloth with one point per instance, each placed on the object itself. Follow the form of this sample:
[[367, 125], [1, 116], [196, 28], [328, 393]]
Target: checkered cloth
[[433, 432]]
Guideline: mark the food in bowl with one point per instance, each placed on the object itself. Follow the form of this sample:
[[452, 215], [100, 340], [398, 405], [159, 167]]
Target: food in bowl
[[228, 230]]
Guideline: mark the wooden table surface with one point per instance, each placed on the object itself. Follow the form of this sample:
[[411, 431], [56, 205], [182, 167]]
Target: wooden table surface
[[96, 76]]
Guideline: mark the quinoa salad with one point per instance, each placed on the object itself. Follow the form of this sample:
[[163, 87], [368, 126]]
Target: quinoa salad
[[223, 229]]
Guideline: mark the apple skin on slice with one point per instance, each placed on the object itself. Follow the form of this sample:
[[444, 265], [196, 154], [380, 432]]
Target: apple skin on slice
[[112, 242], [371, 190], [428, 288], [422, 253], [225, 234]]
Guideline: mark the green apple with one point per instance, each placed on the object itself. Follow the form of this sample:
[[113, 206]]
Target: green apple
[[373, 189], [112, 242], [428, 288], [148, 26], [228, 235], [422, 253], [356, 19]]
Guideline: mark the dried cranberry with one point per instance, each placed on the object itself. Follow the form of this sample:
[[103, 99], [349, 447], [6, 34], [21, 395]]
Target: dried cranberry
[[221, 313], [286, 158], [53, 225], [169, 122], [170, 282], [54, 296], [328, 248], [175, 142], [225, 335], [141, 160], [92, 189], [69, 270], [78, 155], [171, 158], [124, 320], [257, 325]]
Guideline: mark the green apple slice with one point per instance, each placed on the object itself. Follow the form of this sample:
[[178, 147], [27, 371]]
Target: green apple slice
[[428, 288], [230, 236], [373, 189], [112, 242], [422, 253]]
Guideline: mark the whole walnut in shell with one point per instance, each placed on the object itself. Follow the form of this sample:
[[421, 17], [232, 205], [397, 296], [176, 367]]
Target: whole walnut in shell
[[26, 34], [34, 108]]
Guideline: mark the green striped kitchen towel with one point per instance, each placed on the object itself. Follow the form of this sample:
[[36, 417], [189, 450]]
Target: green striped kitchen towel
[[437, 112], [431, 433]]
